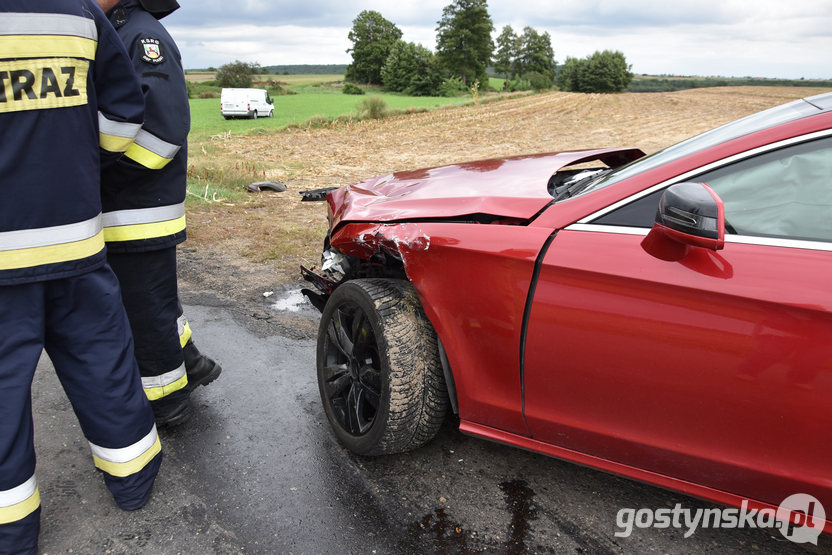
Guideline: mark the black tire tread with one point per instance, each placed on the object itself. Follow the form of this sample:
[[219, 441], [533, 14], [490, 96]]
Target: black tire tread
[[418, 397]]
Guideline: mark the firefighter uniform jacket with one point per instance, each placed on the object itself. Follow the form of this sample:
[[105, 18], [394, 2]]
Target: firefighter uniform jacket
[[97, 97], [144, 193]]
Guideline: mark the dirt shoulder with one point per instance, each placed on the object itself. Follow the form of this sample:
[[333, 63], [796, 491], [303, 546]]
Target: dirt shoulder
[[236, 252]]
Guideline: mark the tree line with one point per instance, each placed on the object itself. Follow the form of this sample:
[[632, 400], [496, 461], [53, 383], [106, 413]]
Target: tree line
[[464, 52]]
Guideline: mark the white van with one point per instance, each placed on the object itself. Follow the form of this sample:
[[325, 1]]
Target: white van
[[246, 103]]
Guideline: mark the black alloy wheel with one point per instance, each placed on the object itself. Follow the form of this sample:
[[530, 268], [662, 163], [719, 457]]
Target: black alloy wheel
[[352, 371], [379, 374]]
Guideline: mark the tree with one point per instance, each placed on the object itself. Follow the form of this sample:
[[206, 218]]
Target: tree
[[237, 74], [606, 72], [568, 78], [535, 55], [507, 46], [463, 40], [602, 72], [410, 68], [372, 37]]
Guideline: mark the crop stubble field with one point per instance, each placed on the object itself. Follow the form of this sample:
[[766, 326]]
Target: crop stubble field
[[244, 247]]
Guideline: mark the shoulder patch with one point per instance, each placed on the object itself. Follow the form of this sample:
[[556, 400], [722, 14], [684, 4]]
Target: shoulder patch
[[151, 51]]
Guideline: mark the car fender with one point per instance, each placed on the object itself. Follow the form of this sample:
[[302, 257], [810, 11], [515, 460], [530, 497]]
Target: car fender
[[473, 281]]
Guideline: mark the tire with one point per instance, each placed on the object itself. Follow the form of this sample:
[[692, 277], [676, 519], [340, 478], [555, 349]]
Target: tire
[[379, 373], [254, 115], [227, 117], [271, 113]]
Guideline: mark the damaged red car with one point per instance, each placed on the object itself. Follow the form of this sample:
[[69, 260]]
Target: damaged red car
[[666, 317]]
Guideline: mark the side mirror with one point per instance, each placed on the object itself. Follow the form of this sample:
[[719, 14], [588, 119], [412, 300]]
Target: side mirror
[[689, 215]]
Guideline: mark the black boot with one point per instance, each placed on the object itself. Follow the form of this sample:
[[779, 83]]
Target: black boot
[[201, 370], [172, 410]]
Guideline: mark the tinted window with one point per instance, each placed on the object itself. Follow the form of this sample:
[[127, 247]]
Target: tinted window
[[641, 213]]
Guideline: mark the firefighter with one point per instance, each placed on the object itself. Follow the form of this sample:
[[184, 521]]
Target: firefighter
[[144, 213], [69, 104]]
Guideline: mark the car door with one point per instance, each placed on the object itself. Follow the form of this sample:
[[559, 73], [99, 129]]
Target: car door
[[714, 369]]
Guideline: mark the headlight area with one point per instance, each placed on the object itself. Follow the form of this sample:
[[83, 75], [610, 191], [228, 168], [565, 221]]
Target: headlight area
[[338, 268]]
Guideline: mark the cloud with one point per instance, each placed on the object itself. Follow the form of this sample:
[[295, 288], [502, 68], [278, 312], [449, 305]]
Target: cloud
[[266, 45], [694, 37]]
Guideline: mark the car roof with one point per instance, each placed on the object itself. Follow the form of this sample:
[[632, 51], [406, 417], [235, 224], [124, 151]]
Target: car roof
[[822, 101]]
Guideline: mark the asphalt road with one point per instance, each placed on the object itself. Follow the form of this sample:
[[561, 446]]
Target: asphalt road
[[256, 470]]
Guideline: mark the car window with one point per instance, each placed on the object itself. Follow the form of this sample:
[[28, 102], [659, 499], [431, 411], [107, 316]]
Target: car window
[[785, 193], [640, 213]]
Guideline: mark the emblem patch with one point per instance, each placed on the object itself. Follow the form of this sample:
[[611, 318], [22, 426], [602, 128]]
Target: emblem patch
[[151, 51]]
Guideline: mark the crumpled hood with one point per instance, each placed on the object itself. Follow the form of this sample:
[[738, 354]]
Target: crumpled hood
[[503, 187]]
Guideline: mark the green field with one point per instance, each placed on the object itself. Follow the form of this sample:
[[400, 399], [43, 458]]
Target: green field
[[311, 101]]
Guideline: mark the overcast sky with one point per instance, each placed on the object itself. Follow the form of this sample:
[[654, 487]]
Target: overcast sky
[[759, 38]]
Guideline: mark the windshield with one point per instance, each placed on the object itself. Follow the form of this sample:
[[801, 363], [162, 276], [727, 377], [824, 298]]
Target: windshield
[[750, 124]]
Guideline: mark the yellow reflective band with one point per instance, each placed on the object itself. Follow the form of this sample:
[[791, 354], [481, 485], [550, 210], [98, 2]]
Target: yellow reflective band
[[122, 469], [144, 231], [156, 387], [51, 254], [21, 510], [184, 330], [112, 143], [116, 136], [155, 393], [146, 157], [42, 84], [18, 503], [150, 151], [47, 46]]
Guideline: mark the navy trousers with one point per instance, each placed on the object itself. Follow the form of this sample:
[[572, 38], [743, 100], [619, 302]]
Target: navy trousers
[[81, 323], [148, 283]]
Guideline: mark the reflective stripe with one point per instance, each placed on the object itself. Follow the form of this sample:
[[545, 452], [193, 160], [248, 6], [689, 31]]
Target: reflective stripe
[[47, 46], [144, 231], [48, 24], [184, 329], [143, 215], [45, 35], [19, 502], [144, 223], [44, 236], [151, 151], [47, 245], [116, 136], [127, 460], [156, 387]]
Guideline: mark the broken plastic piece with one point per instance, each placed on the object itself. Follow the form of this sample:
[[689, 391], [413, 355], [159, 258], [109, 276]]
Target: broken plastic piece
[[324, 284], [331, 264], [316, 194]]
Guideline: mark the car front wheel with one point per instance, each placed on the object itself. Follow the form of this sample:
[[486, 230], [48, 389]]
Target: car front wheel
[[379, 372]]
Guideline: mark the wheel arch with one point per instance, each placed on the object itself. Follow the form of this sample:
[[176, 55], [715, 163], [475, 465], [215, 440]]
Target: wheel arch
[[450, 384]]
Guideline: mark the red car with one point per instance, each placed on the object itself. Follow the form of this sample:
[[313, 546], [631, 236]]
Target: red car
[[665, 317]]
